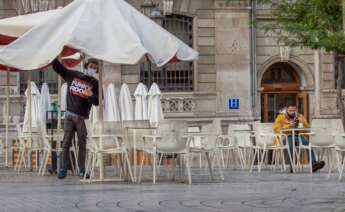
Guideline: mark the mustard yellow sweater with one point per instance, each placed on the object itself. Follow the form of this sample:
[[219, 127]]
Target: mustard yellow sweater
[[282, 122]]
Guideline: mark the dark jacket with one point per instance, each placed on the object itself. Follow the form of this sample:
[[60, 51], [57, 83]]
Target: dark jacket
[[77, 83]]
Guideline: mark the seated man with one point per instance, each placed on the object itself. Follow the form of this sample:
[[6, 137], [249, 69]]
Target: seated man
[[289, 118]]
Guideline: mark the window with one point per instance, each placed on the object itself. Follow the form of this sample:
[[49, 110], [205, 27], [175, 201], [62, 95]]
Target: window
[[172, 77], [39, 77], [279, 73]]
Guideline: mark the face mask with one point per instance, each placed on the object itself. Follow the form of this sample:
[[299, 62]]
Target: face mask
[[91, 72]]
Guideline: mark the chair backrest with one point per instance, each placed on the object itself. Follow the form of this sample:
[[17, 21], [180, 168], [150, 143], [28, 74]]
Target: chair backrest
[[24, 137], [210, 135], [109, 128], [338, 132], [179, 127], [264, 134], [239, 134], [172, 133], [263, 127], [323, 132], [194, 129]]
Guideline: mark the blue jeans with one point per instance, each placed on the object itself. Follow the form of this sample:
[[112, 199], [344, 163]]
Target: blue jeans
[[304, 142]]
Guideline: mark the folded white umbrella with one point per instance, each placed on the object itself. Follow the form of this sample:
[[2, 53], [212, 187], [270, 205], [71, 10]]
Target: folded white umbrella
[[45, 102], [126, 104], [64, 97], [35, 109], [111, 107], [109, 30], [140, 95], [155, 110]]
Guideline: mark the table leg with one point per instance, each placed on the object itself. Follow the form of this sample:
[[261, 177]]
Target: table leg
[[293, 151], [134, 156]]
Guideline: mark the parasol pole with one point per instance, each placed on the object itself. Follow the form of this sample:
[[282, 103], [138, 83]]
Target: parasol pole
[[30, 115], [59, 104], [7, 115], [58, 142], [100, 99]]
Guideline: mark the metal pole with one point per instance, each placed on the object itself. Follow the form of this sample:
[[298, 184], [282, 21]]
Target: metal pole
[[30, 117], [59, 104], [100, 98], [7, 116]]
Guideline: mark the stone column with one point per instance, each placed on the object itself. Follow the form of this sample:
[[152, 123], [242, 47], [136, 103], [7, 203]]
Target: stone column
[[317, 71], [233, 57]]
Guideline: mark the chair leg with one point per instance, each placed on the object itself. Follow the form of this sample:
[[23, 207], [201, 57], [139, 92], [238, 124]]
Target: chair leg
[[129, 167], [18, 160], [262, 160], [220, 168], [283, 160], [88, 165], [72, 163], [341, 170], [94, 161], [330, 160], [200, 160], [160, 163], [188, 169], [141, 167], [154, 168], [253, 161], [209, 164], [310, 161], [42, 163], [22, 160], [290, 160]]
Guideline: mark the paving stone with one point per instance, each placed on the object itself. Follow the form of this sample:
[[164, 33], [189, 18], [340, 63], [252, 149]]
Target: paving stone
[[240, 191]]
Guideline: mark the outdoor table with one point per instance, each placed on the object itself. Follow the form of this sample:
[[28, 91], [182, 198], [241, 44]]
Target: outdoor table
[[136, 126], [293, 134]]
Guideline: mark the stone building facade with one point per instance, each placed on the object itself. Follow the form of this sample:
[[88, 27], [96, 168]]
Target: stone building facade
[[237, 63]]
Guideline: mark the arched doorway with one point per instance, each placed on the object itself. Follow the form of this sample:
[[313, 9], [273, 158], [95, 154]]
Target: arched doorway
[[281, 87]]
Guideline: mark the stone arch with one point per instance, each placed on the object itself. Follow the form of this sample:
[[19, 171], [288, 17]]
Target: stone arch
[[304, 72]]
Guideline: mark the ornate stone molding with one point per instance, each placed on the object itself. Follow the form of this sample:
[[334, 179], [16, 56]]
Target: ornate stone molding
[[221, 4], [178, 105]]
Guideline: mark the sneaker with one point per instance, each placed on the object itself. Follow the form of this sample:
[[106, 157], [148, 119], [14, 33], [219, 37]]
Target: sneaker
[[318, 165], [62, 174]]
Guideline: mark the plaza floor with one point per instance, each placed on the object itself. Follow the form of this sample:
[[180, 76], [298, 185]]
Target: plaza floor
[[240, 191]]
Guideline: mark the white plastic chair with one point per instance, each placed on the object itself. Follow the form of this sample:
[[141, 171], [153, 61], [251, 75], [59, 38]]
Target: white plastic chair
[[47, 150], [339, 140], [266, 140], [240, 139], [166, 140], [175, 140], [321, 137], [27, 143], [113, 143], [210, 145]]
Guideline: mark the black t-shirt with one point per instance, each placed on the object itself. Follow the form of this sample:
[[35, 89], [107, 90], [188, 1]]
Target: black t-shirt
[[77, 84]]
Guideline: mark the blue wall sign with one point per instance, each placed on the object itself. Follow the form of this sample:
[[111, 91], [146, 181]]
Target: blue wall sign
[[234, 104]]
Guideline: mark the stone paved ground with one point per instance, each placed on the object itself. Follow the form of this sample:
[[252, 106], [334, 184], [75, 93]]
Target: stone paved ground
[[240, 191]]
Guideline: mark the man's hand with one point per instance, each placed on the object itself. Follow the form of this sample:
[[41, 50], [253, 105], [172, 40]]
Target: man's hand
[[292, 125], [88, 92]]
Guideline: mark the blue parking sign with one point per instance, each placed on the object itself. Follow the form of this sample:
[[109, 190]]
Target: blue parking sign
[[234, 104]]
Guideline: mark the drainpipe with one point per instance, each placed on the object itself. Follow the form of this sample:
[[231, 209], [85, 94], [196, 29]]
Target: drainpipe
[[253, 57]]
